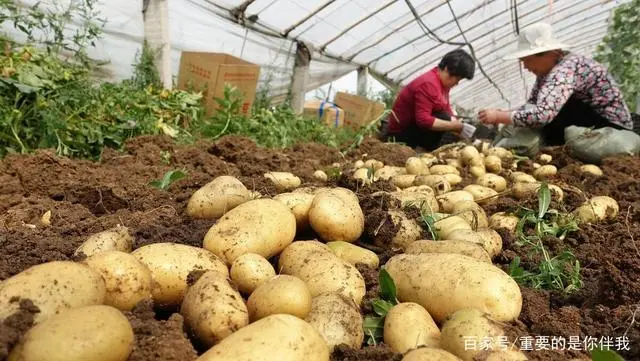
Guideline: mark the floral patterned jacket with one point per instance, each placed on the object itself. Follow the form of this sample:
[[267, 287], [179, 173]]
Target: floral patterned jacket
[[582, 77]]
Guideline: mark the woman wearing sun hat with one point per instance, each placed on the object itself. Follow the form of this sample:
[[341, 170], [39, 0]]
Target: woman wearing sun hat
[[570, 89]]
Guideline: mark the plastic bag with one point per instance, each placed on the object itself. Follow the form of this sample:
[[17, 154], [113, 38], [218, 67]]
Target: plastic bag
[[593, 145], [523, 141]]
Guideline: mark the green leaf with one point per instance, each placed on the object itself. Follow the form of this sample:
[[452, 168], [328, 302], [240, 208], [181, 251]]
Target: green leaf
[[605, 355], [387, 286], [544, 200], [374, 329], [381, 307], [169, 178]]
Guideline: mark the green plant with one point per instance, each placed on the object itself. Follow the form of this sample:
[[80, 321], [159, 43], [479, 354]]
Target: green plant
[[560, 272], [169, 178], [601, 354], [374, 325]]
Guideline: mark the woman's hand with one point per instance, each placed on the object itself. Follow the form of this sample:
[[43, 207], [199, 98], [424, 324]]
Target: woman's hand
[[494, 116]]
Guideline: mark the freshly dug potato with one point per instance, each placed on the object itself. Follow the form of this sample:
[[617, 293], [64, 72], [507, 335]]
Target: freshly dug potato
[[354, 254], [283, 181], [438, 183], [358, 164], [249, 271], [217, 197], [322, 271], [373, 163], [408, 325], [545, 158], [53, 287], [471, 212], [445, 224], [521, 177], [114, 239], [591, 169], [276, 337], [261, 226], [365, 176], [128, 281], [170, 264], [428, 159], [280, 294], [386, 172], [597, 209], [529, 190], [441, 169], [320, 175], [337, 319], [493, 164], [444, 283], [470, 323], [493, 181], [299, 204], [453, 179], [403, 180], [454, 163], [408, 229], [544, 172], [429, 354], [481, 194], [448, 200], [499, 152], [336, 215], [477, 170], [468, 153], [488, 238], [477, 161], [416, 167], [503, 220], [466, 248], [421, 197], [213, 309], [91, 333]]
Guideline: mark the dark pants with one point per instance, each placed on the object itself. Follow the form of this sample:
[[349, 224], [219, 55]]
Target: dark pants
[[415, 137]]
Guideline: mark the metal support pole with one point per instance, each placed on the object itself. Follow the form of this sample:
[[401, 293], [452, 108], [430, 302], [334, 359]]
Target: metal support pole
[[300, 76]]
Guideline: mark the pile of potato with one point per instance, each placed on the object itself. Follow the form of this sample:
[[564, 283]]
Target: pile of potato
[[244, 307]]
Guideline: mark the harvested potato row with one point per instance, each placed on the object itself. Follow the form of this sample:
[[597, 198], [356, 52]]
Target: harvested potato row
[[282, 294], [114, 239], [284, 181], [338, 320], [217, 197], [408, 325], [354, 254], [335, 214], [597, 209], [463, 247], [249, 271]]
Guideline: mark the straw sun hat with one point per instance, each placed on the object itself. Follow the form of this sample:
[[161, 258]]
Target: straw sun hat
[[534, 39]]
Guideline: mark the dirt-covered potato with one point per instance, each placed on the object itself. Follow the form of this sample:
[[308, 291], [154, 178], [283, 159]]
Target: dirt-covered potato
[[358, 164], [448, 200], [365, 176], [442, 169], [477, 170], [503, 220], [453, 179], [213, 309], [114, 239], [284, 181], [597, 209], [445, 224], [488, 238], [336, 215], [466, 248], [530, 190], [429, 354], [407, 326], [89, 333], [337, 319], [468, 153], [53, 287], [261, 226], [545, 158], [276, 337], [386, 172], [320, 175], [428, 159], [373, 163], [471, 212], [481, 194], [454, 163], [415, 166], [170, 265], [408, 229], [403, 180], [591, 169], [521, 177], [217, 197], [438, 183], [280, 294], [128, 281], [544, 172], [493, 164], [299, 204], [470, 323], [499, 152], [493, 181], [322, 271], [421, 197], [354, 254], [444, 283], [250, 271]]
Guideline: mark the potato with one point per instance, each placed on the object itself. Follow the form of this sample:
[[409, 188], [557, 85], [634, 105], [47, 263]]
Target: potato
[[441, 169], [283, 181], [337, 319], [354, 254], [438, 183], [453, 179], [493, 164], [217, 197], [408, 230], [481, 194], [276, 337], [408, 325], [545, 158], [477, 161], [467, 325], [280, 294], [170, 264], [429, 354], [386, 172], [530, 190], [499, 152], [428, 159], [53, 287], [127, 280], [488, 238], [213, 309], [91, 333], [448, 200], [445, 224], [469, 152], [365, 176], [416, 167], [591, 169], [493, 181], [445, 283], [336, 215], [477, 171], [471, 212], [403, 180], [544, 172], [521, 177], [320, 175], [250, 271], [322, 271], [421, 197], [373, 163], [466, 248], [597, 209], [261, 226], [114, 239], [454, 163], [503, 220], [299, 204], [358, 164]]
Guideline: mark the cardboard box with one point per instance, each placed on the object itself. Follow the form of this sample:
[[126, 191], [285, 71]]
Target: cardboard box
[[209, 72], [327, 112], [358, 111]]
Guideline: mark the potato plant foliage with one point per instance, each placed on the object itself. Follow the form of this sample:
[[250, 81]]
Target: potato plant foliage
[[374, 325]]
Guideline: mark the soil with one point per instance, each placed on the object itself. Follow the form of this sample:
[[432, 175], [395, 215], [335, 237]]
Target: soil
[[85, 198]]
